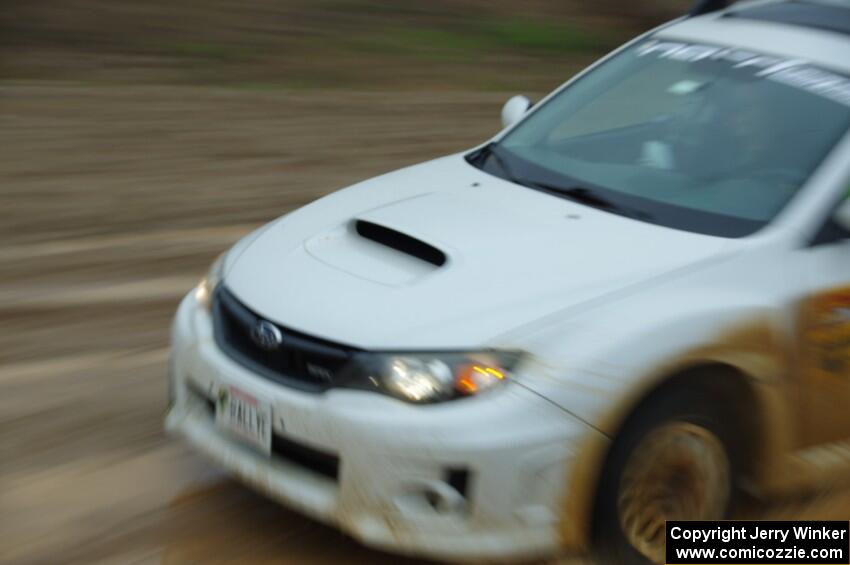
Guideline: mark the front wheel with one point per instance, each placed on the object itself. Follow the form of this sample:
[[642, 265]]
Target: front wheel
[[673, 460]]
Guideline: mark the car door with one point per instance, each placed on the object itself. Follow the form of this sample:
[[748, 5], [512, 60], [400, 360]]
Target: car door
[[824, 335]]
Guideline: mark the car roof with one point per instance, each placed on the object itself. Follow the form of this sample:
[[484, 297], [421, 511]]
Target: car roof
[[815, 31], [825, 16]]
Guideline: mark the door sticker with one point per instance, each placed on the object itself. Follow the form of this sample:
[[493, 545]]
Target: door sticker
[[826, 334]]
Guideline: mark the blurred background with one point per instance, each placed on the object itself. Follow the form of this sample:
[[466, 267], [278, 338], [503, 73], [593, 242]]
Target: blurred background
[[139, 140]]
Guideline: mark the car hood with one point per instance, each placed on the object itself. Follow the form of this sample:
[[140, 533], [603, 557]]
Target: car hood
[[511, 256]]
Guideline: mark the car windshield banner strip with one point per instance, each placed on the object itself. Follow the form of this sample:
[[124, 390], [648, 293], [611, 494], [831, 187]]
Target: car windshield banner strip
[[741, 541], [795, 73]]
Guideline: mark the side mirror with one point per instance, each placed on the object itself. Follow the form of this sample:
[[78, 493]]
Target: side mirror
[[841, 216], [514, 109]]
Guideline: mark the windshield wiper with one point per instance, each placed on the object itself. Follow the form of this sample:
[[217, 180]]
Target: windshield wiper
[[589, 197], [580, 194]]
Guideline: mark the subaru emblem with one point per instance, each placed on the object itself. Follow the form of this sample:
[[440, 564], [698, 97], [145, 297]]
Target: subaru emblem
[[266, 335]]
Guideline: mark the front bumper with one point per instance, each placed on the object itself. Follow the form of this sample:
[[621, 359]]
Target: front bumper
[[472, 479]]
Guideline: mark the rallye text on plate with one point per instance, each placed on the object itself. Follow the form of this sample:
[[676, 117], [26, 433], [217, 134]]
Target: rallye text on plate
[[245, 416]]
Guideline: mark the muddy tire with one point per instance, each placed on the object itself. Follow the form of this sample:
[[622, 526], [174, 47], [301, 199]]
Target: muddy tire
[[674, 459]]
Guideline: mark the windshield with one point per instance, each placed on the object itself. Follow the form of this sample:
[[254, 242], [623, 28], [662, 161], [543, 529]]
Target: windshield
[[694, 137]]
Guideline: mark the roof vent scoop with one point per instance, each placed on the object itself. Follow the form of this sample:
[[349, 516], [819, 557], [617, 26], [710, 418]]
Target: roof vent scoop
[[400, 242]]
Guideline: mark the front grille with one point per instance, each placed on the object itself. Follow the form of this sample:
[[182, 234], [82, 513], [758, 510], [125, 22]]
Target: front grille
[[301, 361], [319, 462]]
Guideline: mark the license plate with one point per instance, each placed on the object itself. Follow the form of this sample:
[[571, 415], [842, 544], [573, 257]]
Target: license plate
[[246, 417]]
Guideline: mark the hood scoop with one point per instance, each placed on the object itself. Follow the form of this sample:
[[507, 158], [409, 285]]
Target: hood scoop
[[401, 242], [375, 253]]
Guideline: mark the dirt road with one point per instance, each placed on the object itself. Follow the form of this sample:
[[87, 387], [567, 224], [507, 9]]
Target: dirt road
[[112, 203]]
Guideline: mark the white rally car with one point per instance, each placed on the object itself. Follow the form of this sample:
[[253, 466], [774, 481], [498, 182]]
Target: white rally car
[[627, 306]]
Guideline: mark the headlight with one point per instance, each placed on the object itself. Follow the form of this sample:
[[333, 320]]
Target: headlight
[[205, 289], [427, 377]]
